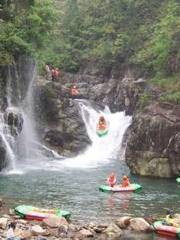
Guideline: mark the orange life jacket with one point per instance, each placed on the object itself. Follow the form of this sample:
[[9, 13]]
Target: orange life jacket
[[111, 180], [74, 91], [125, 183]]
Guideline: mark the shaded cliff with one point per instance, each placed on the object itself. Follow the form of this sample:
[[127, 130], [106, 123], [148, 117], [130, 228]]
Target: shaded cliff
[[153, 146]]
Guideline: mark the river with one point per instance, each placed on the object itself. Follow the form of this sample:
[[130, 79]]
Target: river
[[72, 184]]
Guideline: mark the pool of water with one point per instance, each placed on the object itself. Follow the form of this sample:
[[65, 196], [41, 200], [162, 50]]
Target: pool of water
[[76, 190]]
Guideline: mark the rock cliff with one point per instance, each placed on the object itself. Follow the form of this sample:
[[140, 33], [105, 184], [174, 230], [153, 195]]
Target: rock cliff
[[153, 145], [60, 122]]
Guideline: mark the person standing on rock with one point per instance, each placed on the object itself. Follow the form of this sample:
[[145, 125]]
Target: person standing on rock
[[53, 74], [10, 233], [57, 73], [74, 91], [48, 72]]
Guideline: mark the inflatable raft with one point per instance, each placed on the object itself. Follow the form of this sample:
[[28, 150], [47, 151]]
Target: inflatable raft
[[132, 188], [101, 132], [166, 230], [34, 213]]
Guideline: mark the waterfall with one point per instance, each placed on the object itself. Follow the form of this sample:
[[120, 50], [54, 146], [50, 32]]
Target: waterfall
[[19, 143], [103, 149], [17, 129]]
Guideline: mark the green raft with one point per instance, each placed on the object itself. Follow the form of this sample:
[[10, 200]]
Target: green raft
[[34, 213], [134, 187], [178, 180], [102, 133]]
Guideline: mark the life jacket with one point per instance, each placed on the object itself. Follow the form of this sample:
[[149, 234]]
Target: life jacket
[[111, 180], [125, 183], [56, 73], [53, 72], [102, 125], [74, 91]]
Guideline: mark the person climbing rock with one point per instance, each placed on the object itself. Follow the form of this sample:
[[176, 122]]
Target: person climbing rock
[[125, 182], [74, 91], [48, 71], [57, 73], [111, 179]]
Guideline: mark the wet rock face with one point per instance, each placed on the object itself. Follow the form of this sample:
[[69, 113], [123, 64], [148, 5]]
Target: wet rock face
[[153, 146], [60, 121], [3, 159], [14, 119]]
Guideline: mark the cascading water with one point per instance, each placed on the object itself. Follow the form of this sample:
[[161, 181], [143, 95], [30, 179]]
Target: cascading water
[[17, 130], [102, 149]]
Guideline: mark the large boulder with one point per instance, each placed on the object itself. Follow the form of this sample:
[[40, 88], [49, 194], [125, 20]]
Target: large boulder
[[123, 222], [153, 144], [139, 225], [55, 222], [3, 223], [113, 231], [38, 230]]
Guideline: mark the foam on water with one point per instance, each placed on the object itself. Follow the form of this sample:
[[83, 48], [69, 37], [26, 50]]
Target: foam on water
[[102, 149]]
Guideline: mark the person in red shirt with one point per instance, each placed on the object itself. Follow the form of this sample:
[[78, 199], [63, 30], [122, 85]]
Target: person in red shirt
[[53, 74], [74, 91], [111, 180], [57, 73], [125, 182]]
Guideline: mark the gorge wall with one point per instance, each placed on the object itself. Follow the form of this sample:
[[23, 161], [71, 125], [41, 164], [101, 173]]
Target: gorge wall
[[153, 146], [153, 140], [61, 125]]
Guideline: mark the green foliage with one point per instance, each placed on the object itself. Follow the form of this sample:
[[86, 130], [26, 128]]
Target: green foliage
[[110, 32], [173, 97], [25, 27]]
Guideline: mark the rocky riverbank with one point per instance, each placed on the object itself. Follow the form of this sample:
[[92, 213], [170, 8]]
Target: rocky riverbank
[[53, 228]]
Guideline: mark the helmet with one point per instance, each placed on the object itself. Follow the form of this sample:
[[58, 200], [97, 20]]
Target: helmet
[[170, 211], [101, 118]]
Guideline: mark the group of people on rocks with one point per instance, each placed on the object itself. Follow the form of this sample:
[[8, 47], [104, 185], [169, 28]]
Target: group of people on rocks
[[52, 73], [111, 180]]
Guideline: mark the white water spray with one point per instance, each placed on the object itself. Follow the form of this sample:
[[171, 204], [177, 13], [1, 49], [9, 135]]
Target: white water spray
[[102, 149]]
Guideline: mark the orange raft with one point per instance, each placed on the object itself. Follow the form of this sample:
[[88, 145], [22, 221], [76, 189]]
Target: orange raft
[[166, 230]]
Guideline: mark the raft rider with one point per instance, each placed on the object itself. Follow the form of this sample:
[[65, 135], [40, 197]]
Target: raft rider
[[125, 182], [111, 180], [102, 123]]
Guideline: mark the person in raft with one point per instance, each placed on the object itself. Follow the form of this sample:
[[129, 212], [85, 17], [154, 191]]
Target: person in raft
[[125, 182], [171, 219], [111, 180], [102, 123], [74, 91]]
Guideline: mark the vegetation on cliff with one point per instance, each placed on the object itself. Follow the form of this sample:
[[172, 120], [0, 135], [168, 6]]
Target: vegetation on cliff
[[71, 33], [26, 27]]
